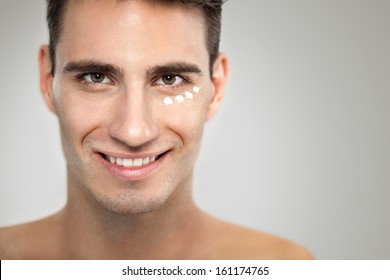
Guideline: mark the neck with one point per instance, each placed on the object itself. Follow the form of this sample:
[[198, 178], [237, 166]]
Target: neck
[[91, 231]]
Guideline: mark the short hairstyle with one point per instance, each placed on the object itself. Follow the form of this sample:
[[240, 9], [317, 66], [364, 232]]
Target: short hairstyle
[[212, 10]]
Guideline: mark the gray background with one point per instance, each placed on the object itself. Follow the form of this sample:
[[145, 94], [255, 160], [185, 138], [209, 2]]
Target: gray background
[[300, 148]]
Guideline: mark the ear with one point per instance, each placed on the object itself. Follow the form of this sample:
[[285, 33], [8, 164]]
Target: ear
[[218, 80], [46, 77]]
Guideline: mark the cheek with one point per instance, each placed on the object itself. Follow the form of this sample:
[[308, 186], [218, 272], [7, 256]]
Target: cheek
[[186, 111], [78, 114]]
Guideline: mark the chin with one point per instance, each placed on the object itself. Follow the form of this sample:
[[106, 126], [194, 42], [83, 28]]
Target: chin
[[127, 202]]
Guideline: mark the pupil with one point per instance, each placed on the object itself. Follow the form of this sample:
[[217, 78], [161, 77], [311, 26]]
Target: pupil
[[97, 77]]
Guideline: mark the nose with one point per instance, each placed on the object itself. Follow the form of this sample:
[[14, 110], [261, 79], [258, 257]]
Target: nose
[[133, 123]]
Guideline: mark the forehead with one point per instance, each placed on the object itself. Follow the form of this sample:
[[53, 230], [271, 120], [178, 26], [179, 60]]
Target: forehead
[[137, 31]]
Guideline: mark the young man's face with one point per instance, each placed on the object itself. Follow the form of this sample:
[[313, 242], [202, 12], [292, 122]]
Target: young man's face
[[132, 91]]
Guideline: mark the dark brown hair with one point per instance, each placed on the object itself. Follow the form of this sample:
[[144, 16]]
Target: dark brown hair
[[212, 10]]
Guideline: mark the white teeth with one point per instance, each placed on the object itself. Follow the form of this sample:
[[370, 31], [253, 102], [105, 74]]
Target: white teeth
[[127, 162], [112, 159], [137, 162]]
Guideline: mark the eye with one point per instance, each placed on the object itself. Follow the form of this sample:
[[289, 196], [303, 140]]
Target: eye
[[97, 78], [170, 80]]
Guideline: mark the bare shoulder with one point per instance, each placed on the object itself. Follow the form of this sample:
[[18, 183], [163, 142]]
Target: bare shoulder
[[267, 246], [25, 240], [237, 242], [12, 240]]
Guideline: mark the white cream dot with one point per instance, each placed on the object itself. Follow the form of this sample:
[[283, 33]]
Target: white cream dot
[[188, 95], [179, 98], [196, 89], [168, 101]]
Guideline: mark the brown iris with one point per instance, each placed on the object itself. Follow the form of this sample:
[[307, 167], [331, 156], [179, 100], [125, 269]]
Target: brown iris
[[97, 77], [168, 79]]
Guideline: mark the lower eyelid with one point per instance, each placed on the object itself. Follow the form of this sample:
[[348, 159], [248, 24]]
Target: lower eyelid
[[94, 86], [169, 88]]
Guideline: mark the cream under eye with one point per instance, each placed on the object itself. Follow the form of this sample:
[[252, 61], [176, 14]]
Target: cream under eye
[[182, 97]]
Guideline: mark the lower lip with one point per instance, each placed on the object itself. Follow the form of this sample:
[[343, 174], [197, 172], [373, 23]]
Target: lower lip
[[134, 173]]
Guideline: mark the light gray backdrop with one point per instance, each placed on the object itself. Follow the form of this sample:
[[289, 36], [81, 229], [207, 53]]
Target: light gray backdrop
[[300, 148]]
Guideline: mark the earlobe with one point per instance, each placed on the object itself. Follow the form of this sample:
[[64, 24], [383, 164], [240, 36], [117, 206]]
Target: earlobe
[[46, 77], [218, 79]]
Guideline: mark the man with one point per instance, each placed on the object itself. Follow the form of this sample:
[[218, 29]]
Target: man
[[132, 84]]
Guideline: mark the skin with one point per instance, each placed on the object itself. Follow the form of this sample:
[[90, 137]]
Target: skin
[[107, 217]]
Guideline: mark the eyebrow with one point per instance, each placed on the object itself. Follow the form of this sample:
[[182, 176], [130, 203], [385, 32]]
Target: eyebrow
[[90, 66], [174, 68]]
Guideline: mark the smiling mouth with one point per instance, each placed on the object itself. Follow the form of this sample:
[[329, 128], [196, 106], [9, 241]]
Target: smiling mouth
[[132, 162]]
